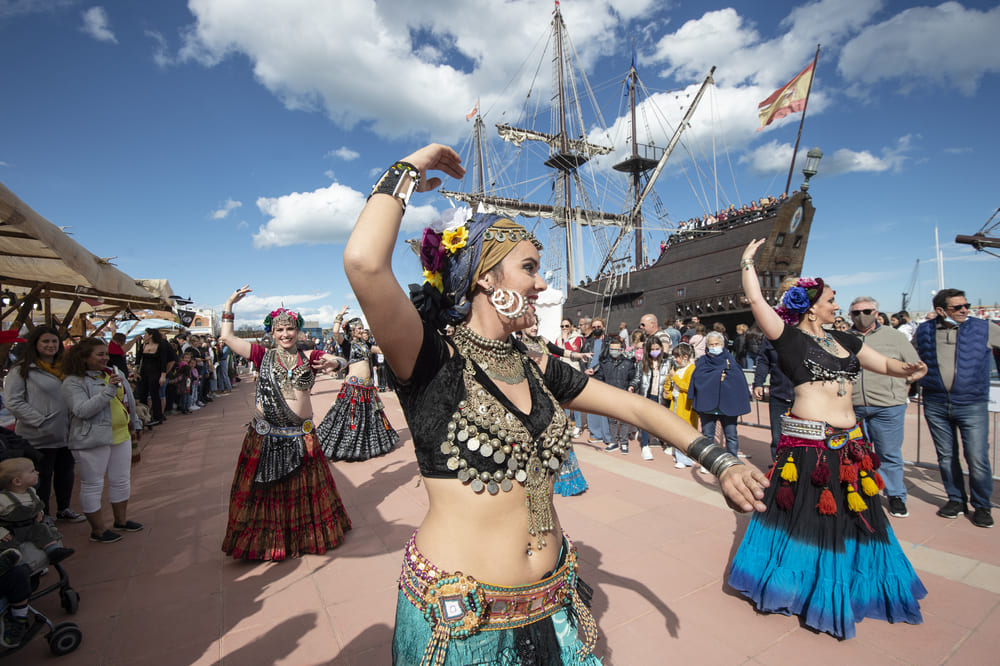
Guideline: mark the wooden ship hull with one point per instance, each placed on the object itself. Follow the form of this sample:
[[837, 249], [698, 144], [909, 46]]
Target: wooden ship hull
[[700, 274]]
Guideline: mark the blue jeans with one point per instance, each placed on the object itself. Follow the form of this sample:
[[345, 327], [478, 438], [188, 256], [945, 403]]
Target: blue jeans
[[599, 428], [884, 426], [945, 422], [708, 422], [576, 418], [643, 435]]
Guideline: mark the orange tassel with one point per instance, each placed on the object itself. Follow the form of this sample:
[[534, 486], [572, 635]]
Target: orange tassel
[[848, 473], [854, 501], [878, 480], [827, 505], [866, 464], [868, 485], [788, 471]]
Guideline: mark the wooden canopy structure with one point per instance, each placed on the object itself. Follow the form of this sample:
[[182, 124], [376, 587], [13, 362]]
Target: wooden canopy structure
[[41, 268]]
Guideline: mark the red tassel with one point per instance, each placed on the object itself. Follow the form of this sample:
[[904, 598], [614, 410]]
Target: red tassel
[[876, 460], [827, 505], [848, 473], [866, 464], [770, 471], [821, 473], [878, 480], [785, 497]]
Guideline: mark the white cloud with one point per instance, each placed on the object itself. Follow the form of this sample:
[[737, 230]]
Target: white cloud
[[774, 157], [344, 153], [947, 45], [726, 39], [326, 215], [96, 24], [12, 8], [161, 52], [228, 207], [396, 66]]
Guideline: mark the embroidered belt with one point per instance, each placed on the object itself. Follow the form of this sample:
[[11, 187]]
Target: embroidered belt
[[818, 431], [354, 380], [458, 606], [263, 427]]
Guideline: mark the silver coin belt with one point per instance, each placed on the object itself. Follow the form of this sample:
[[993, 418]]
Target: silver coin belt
[[483, 426]]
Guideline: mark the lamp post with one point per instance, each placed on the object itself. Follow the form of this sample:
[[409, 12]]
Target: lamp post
[[812, 166]]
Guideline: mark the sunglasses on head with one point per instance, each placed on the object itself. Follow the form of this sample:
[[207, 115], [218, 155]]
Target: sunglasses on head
[[866, 311], [960, 306]]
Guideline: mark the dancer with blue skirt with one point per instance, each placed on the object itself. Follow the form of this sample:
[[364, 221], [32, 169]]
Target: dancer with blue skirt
[[824, 549]]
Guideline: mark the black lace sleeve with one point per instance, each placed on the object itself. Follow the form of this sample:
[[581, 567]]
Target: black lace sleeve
[[564, 381]]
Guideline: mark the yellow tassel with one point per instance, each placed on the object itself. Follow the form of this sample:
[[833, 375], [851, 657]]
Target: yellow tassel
[[854, 501], [788, 471], [868, 485]]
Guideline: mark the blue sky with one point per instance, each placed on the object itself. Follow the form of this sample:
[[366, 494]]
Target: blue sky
[[215, 142]]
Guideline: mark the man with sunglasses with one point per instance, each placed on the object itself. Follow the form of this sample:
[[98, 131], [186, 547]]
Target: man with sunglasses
[[880, 400], [957, 349]]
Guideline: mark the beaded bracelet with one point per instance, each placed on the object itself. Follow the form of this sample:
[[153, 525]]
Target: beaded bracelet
[[398, 181], [746, 263]]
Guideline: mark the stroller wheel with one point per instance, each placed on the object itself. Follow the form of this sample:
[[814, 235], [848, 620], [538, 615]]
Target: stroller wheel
[[65, 638], [70, 600]]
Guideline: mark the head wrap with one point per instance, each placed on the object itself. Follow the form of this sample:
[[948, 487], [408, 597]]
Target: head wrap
[[455, 251], [284, 317], [799, 298]]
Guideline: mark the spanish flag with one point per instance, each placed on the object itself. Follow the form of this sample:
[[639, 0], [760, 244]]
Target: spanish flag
[[790, 98]]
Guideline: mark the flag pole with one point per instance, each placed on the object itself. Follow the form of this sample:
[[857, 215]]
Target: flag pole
[[802, 121]]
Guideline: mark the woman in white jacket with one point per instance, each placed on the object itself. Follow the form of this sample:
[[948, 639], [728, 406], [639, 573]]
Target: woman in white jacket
[[32, 393], [102, 423]]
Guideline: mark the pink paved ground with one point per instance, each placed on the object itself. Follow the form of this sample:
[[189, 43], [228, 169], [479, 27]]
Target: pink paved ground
[[654, 543]]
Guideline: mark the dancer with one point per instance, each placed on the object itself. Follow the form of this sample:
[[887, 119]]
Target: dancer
[[824, 548], [489, 434], [356, 427], [283, 501]]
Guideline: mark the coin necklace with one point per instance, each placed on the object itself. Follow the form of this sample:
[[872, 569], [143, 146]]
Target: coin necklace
[[287, 361], [495, 357], [483, 426]]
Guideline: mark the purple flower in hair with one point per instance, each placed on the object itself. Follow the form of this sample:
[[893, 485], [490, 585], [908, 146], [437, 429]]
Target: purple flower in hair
[[787, 316], [432, 253], [796, 299]]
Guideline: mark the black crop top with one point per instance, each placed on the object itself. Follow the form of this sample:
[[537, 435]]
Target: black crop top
[[803, 360], [431, 396]]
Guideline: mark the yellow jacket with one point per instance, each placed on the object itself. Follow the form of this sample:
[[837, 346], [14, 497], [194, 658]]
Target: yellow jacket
[[681, 406]]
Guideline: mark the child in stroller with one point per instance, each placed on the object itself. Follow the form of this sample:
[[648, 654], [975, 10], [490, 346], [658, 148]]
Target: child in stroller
[[23, 522]]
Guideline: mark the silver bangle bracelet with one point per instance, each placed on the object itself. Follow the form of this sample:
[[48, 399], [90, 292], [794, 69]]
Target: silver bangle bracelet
[[723, 463]]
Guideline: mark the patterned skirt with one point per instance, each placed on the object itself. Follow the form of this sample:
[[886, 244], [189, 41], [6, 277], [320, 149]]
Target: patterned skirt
[[570, 481], [356, 427], [824, 549], [301, 513]]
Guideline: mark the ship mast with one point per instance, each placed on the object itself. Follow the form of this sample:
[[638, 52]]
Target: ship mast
[[566, 156], [631, 165]]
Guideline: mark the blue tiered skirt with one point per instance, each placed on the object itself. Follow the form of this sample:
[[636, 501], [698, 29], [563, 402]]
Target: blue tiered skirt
[[824, 549], [570, 481]]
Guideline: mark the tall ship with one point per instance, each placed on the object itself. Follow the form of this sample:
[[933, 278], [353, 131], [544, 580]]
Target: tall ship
[[612, 248]]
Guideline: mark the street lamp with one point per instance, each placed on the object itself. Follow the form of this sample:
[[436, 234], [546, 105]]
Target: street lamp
[[812, 166]]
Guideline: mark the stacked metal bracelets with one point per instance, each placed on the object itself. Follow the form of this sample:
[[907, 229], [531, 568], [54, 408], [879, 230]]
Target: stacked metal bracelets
[[228, 316], [713, 458]]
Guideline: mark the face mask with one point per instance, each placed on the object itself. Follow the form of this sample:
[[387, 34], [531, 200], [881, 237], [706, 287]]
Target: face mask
[[614, 353], [715, 351], [951, 321], [863, 321], [654, 353], [598, 331]]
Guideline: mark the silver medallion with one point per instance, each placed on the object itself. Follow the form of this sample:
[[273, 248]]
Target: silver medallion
[[492, 488], [478, 486], [506, 485], [486, 450], [452, 464], [521, 476]]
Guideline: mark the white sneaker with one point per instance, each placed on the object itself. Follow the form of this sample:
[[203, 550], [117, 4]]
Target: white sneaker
[[576, 433], [703, 470], [647, 453], [669, 450], [680, 465], [195, 408]]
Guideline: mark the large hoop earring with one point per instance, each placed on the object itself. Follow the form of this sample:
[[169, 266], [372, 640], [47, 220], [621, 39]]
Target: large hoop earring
[[508, 302], [812, 317]]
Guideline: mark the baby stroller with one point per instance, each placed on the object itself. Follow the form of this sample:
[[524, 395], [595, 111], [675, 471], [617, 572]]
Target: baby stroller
[[64, 637]]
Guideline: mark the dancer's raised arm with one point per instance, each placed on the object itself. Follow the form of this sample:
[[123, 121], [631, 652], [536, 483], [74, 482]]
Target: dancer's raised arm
[[368, 255], [767, 319], [228, 334]]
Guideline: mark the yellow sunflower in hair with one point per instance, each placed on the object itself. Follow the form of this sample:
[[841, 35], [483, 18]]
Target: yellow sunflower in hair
[[455, 239]]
